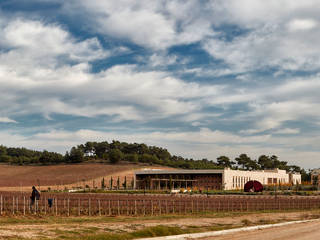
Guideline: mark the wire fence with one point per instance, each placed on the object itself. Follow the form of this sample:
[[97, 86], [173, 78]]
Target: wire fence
[[137, 205]]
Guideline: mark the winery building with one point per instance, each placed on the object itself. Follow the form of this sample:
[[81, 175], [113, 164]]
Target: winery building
[[215, 179]]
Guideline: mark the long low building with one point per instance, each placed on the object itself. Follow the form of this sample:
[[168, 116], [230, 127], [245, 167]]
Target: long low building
[[214, 179]]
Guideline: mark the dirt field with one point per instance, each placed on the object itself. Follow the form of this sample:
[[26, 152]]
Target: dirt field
[[20, 178], [83, 227]]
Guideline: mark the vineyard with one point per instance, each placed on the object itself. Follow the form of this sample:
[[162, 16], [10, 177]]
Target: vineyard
[[137, 205]]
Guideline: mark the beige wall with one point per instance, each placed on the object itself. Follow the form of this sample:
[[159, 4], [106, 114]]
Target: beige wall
[[235, 179]]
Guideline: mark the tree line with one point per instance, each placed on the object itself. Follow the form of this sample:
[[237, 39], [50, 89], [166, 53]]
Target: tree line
[[116, 151]]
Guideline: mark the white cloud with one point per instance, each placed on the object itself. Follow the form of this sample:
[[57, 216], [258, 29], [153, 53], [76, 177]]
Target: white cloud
[[6, 120], [287, 131], [152, 24], [46, 70], [301, 24]]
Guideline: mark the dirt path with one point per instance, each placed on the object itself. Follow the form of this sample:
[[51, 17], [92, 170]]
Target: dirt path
[[299, 231], [105, 225]]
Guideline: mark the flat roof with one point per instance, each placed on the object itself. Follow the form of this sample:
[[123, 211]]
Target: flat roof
[[156, 171]]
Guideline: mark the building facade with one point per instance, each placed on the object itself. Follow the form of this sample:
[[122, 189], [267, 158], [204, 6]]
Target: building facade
[[216, 179]]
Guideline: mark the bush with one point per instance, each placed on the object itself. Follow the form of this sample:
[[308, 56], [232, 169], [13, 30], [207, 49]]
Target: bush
[[115, 155]]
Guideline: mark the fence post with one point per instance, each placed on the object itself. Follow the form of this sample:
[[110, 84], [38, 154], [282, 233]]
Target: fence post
[[135, 207], [45, 206], [13, 205], [127, 207], [99, 207], [191, 206], [56, 202], [144, 207], [24, 205], [79, 207], [173, 208], [151, 207], [1, 207], [166, 206], [159, 206], [119, 211], [68, 207], [109, 207], [89, 210]]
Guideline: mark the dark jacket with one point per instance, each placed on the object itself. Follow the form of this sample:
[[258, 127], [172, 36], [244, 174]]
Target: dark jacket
[[35, 195]]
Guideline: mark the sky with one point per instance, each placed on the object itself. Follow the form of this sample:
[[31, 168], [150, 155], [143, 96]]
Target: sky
[[201, 78]]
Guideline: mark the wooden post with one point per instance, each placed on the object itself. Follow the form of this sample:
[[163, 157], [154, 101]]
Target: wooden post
[[99, 207], [24, 205], [197, 206], [166, 206], [68, 207], [17, 203], [1, 207], [191, 206], [159, 206], [203, 210], [173, 206], [144, 207], [109, 207], [135, 207], [56, 202], [89, 210], [79, 207], [151, 207], [127, 207], [45, 206], [13, 205], [119, 207]]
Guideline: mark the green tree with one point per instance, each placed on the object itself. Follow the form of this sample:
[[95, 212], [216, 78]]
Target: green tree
[[76, 155], [118, 183], [111, 183], [224, 161], [103, 185], [125, 182], [243, 160], [115, 156]]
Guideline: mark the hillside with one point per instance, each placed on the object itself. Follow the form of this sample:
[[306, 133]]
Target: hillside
[[17, 178]]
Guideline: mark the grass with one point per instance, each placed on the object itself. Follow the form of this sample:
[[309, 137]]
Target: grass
[[72, 227], [40, 219]]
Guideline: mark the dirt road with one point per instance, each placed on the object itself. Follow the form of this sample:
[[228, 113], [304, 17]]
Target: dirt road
[[300, 231]]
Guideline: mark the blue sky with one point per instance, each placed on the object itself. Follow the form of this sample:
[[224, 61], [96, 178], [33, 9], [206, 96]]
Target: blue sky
[[201, 78]]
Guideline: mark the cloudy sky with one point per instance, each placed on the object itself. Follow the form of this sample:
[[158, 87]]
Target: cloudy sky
[[201, 78]]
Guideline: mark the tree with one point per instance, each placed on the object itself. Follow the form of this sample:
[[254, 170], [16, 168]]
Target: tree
[[132, 157], [243, 160], [225, 161], [115, 155], [76, 155], [125, 182], [118, 183], [111, 183], [265, 162], [103, 185]]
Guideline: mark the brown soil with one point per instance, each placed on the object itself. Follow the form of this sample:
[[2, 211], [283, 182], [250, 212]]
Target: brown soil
[[20, 178]]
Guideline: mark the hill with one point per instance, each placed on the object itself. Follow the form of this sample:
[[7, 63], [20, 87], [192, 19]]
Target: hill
[[21, 178]]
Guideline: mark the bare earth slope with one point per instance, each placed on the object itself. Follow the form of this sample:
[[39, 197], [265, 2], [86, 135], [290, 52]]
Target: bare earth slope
[[16, 178]]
